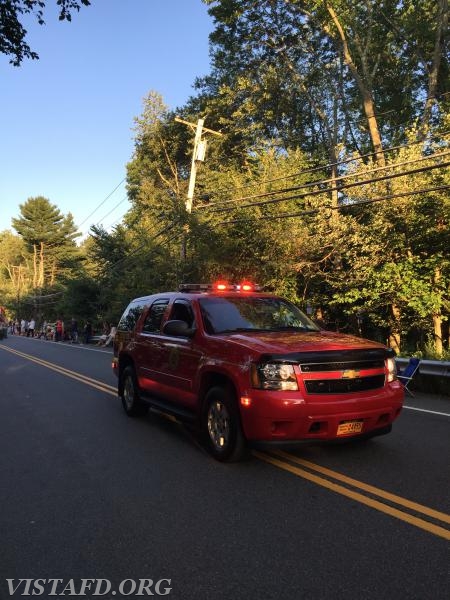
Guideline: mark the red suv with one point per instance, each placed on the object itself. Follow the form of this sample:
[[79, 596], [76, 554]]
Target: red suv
[[247, 367]]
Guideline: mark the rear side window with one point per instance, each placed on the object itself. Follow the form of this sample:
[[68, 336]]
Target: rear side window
[[131, 316], [152, 323], [182, 311]]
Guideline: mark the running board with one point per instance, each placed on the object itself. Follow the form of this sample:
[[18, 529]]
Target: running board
[[184, 414]]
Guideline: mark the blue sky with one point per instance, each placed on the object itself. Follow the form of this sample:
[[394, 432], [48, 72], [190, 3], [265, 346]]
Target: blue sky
[[66, 119]]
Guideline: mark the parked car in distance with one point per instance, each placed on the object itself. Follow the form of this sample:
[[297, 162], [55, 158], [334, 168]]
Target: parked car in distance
[[249, 368]]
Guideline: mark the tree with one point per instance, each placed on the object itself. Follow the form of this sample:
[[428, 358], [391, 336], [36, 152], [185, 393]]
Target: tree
[[12, 32], [81, 300], [395, 262], [15, 273], [50, 238], [328, 72]]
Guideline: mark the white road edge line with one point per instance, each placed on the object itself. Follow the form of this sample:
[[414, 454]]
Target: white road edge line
[[79, 345], [432, 412]]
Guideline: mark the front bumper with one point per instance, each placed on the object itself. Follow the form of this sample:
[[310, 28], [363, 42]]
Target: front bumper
[[284, 416]]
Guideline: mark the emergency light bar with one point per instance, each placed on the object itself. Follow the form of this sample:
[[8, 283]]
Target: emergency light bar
[[219, 286]]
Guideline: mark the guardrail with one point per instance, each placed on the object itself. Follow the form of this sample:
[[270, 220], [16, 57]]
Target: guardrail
[[438, 368], [433, 376]]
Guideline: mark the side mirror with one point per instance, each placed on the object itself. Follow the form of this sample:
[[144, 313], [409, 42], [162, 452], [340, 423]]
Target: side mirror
[[178, 328]]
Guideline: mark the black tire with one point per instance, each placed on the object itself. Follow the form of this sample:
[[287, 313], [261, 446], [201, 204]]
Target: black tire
[[129, 394], [222, 426]]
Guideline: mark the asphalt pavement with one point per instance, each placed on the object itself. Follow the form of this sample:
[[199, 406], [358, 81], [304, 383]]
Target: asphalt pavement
[[89, 493]]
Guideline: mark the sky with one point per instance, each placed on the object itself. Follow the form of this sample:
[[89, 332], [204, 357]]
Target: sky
[[66, 120]]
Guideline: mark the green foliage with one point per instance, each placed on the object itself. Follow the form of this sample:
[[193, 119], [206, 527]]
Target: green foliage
[[41, 221], [244, 239], [324, 74], [381, 267], [82, 300], [288, 196], [429, 352], [50, 238], [12, 32]]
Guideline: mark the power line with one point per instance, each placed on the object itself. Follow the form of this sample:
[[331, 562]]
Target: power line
[[328, 166], [329, 189], [113, 223], [142, 246], [326, 181], [314, 211], [357, 204], [112, 210], [101, 203], [148, 254]]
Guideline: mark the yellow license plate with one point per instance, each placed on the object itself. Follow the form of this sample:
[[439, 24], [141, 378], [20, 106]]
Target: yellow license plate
[[350, 427]]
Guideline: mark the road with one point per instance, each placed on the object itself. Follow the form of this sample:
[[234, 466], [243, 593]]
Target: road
[[87, 492]]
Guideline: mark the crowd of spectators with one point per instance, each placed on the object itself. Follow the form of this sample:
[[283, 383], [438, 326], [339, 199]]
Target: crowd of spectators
[[61, 331]]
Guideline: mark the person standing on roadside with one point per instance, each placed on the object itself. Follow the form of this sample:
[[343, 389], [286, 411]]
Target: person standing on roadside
[[31, 327], [59, 329], [43, 332], [73, 331], [87, 332]]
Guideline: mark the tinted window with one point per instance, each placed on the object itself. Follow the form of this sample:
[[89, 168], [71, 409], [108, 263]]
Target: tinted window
[[152, 323], [131, 316], [240, 313]]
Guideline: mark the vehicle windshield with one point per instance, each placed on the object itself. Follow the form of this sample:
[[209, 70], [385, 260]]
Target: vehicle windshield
[[252, 313]]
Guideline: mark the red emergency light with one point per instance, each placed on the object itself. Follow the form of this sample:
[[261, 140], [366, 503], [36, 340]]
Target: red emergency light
[[219, 286], [246, 286]]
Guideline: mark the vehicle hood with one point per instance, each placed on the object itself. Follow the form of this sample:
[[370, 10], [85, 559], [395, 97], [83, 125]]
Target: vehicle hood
[[289, 344]]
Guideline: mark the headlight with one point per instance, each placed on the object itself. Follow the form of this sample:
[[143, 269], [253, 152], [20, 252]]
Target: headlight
[[392, 369], [274, 376]]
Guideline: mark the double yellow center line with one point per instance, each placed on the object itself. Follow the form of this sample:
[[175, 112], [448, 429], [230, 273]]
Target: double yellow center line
[[95, 383], [361, 492], [346, 486]]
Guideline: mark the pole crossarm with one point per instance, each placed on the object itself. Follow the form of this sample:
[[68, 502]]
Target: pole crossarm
[[193, 126]]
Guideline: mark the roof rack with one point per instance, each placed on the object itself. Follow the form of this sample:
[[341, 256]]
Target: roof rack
[[195, 287]]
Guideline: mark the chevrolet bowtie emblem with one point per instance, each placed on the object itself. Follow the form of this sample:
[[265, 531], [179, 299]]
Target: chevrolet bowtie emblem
[[350, 374]]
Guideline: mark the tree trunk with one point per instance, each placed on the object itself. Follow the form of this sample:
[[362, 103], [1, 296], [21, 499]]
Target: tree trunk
[[395, 335], [437, 334], [333, 157], [41, 266], [35, 273], [437, 318], [433, 70], [364, 89]]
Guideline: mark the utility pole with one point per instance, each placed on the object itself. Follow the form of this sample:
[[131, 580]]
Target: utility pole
[[198, 154]]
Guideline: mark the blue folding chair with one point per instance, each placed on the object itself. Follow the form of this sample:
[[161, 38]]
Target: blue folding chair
[[408, 373]]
